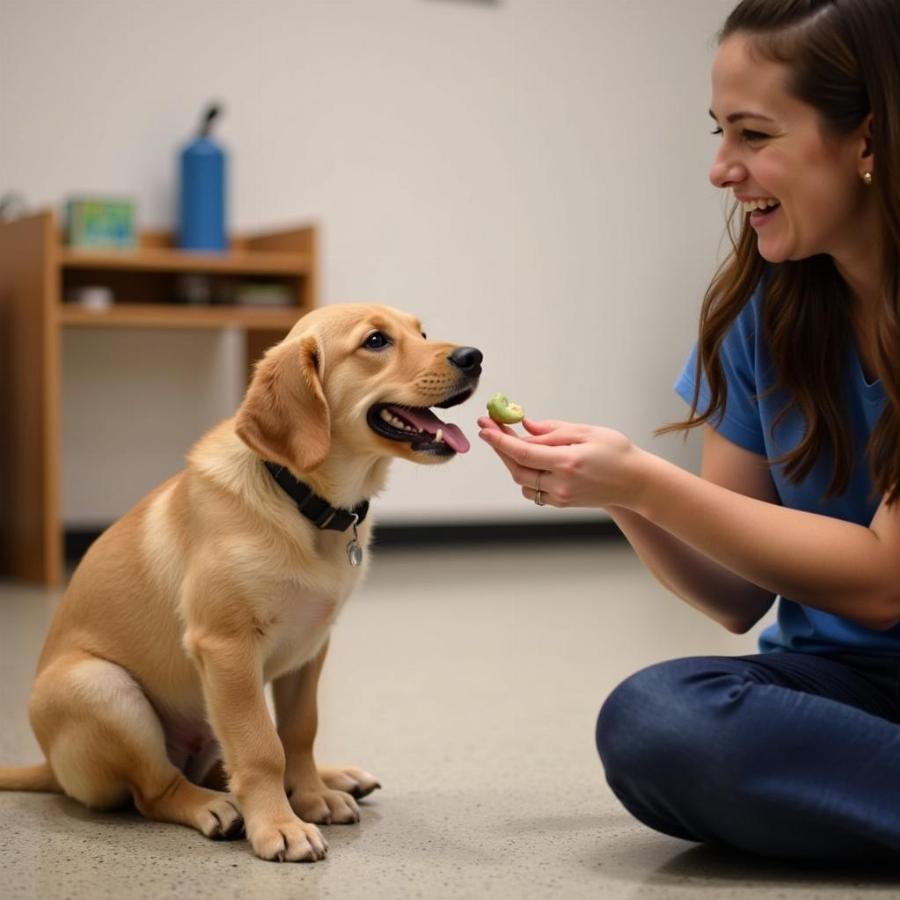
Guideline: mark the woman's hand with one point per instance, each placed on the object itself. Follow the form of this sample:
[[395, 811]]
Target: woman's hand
[[570, 465]]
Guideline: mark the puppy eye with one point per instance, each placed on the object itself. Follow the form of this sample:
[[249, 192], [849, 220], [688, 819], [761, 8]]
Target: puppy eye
[[377, 340], [424, 335]]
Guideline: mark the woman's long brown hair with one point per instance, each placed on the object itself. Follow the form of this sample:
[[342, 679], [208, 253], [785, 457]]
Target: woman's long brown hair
[[844, 57]]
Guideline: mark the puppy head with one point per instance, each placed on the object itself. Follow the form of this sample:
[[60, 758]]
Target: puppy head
[[360, 380]]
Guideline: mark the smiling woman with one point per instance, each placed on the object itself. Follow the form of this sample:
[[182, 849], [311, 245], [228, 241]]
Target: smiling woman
[[796, 382], [797, 355]]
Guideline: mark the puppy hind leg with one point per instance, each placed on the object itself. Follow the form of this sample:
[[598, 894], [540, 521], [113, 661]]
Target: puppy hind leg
[[105, 743]]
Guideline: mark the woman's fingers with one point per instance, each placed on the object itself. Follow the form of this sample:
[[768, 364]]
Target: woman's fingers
[[543, 426], [554, 433], [530, 459], [525, 453], [521, 475], [490, 426], [489, 423], [549, 432], [562, 437]]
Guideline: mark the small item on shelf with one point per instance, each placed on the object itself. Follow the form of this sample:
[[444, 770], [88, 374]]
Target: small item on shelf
[[96, 297], [100, 222], [194, 288], [251, 293], [201, 218]]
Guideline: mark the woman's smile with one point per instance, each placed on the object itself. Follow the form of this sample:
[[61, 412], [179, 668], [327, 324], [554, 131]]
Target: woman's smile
[[759, 218]]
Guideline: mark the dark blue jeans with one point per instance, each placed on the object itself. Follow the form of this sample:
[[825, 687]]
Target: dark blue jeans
[[781, 754]]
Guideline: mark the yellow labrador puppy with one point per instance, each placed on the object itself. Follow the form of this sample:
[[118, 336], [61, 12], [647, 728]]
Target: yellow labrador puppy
[[229, 576]]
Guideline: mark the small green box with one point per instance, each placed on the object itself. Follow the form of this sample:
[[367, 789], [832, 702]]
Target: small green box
[[100, 222]]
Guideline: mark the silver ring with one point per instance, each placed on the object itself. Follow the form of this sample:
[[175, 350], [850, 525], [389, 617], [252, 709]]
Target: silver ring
[[539, 498]]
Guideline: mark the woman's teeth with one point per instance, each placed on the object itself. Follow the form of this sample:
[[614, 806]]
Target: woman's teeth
[[752, 205]]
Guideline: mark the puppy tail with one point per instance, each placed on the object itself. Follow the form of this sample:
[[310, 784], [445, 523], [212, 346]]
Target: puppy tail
[[39, 777]]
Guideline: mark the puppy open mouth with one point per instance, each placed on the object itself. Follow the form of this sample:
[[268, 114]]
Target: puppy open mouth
[[419, 426]]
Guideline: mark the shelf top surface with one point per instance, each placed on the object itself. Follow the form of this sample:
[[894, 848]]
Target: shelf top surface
[[260, 262], [163, 315]]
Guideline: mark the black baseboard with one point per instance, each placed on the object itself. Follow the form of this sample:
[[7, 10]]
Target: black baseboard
[[493, 533], [77, 540]]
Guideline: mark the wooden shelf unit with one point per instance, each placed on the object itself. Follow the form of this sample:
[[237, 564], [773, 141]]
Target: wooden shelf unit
[[37, 273]]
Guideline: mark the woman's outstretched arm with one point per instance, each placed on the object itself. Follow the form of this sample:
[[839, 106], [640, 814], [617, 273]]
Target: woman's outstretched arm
[[847, 569]]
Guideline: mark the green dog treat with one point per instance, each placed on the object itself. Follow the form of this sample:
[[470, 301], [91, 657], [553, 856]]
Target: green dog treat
[[501, 409]]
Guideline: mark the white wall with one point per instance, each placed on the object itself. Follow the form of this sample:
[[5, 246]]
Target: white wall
[[529, 176]]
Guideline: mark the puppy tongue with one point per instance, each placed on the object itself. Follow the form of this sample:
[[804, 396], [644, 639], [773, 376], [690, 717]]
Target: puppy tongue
[[454, 438], [425, 420]]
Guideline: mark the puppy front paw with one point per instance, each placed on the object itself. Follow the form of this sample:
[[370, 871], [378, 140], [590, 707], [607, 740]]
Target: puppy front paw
[[287, 840], [324, 806], [350, 779]]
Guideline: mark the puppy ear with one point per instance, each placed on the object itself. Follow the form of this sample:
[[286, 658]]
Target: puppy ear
[[284, 416]]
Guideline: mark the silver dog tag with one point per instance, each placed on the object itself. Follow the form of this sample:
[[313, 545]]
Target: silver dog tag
[[354, 554], [354, 551]]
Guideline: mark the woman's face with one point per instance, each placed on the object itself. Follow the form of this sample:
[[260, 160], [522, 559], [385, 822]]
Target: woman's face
[[801, 188]]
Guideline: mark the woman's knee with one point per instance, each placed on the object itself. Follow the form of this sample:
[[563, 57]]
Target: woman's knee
[[654, 722]]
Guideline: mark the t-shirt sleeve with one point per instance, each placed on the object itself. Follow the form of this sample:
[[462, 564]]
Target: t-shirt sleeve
[[740, 422]]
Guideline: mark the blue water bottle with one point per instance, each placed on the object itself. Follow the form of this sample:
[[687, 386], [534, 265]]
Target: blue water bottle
[[202, 190]]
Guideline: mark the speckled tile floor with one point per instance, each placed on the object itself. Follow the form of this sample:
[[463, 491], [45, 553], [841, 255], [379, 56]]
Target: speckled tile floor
[[468, 681]]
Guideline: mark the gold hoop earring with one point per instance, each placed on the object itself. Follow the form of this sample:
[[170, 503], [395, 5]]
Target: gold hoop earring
[[867, 178]]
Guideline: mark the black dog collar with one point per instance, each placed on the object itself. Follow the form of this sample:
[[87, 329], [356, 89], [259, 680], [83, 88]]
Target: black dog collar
[[319, 511]]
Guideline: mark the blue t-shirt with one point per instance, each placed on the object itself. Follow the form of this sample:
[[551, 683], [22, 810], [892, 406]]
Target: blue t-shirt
[[747, 421]]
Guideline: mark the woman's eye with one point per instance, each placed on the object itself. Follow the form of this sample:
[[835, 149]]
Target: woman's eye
[[377, 340], [746, 135]]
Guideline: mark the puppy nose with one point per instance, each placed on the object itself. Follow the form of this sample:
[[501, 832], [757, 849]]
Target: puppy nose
[[468, 359]]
